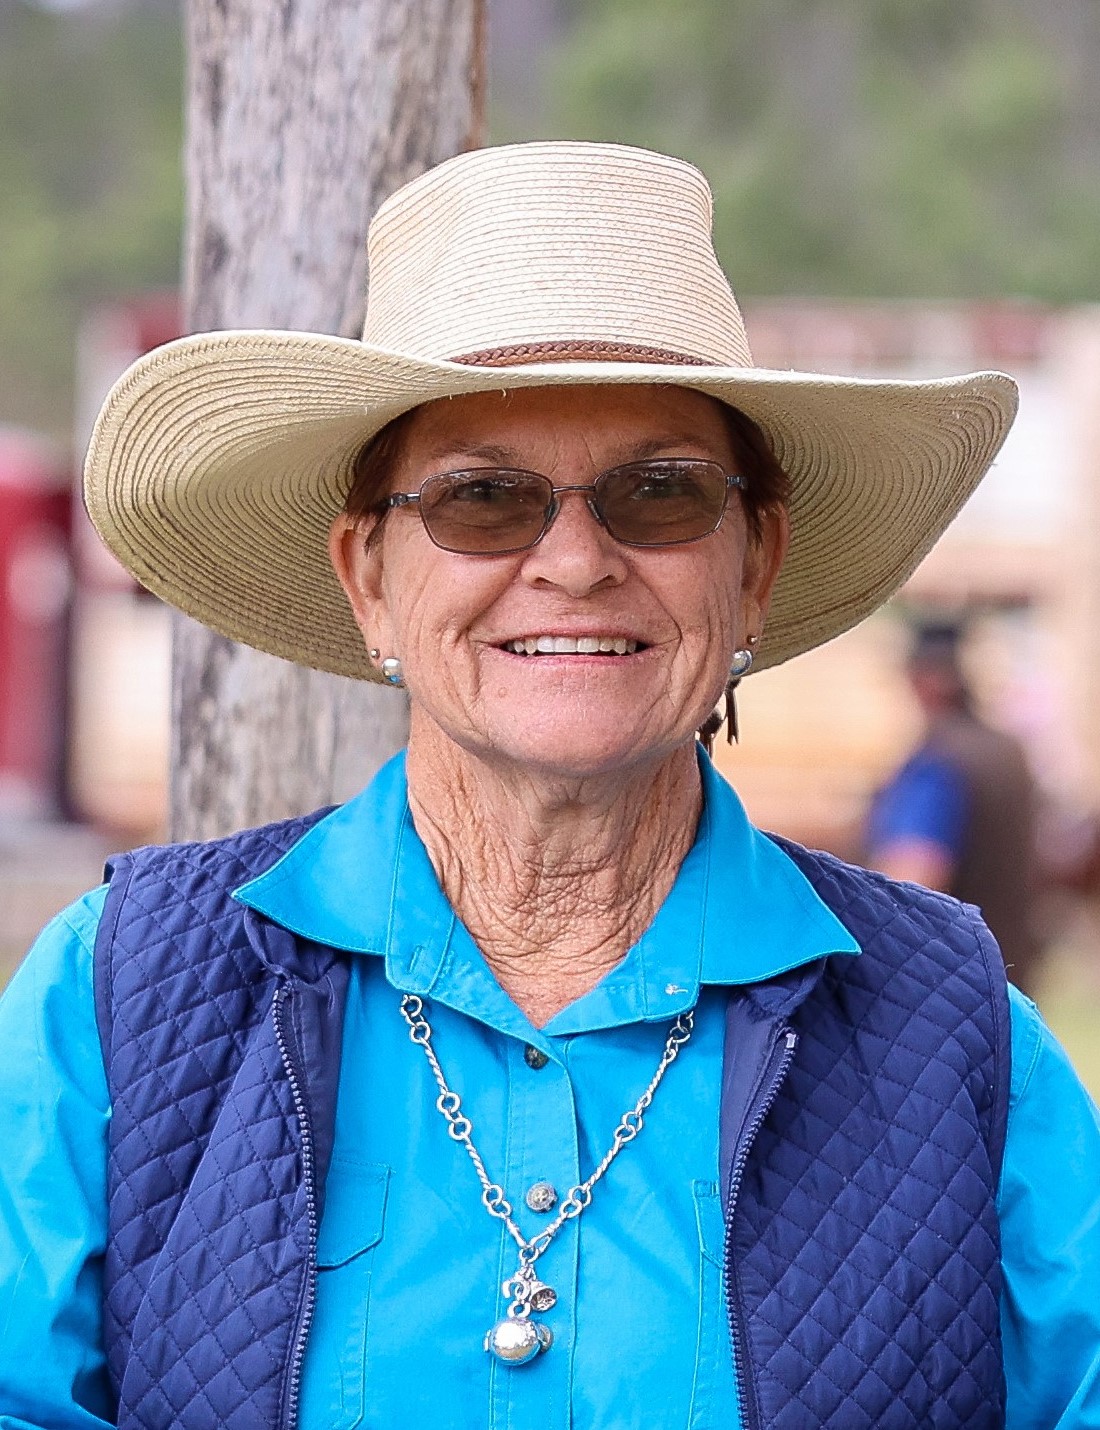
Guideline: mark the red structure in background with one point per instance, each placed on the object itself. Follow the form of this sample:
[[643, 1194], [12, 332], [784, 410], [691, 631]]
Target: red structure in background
[[52, 565], [119, 668], [35, 592]]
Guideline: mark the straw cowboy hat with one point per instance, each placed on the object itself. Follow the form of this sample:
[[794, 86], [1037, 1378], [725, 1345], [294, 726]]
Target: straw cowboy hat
[[219, 461]]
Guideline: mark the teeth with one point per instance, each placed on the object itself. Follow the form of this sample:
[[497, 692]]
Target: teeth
[[572, 645]]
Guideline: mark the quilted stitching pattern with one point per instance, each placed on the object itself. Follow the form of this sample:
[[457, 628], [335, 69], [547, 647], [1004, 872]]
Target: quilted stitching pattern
[[865, 1246], [208, 1232]]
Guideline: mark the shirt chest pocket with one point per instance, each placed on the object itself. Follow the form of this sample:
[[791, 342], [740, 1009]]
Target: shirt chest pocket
[[334, 1370]]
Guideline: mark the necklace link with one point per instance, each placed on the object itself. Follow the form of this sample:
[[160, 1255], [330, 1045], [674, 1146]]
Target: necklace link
[[495, 1202], [575, 1203]]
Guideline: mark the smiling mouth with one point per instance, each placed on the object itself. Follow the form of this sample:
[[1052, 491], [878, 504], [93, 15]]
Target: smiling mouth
[[573, 645]]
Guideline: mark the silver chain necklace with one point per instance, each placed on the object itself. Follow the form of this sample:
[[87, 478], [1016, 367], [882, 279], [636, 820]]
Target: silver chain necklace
[[515, 1339]]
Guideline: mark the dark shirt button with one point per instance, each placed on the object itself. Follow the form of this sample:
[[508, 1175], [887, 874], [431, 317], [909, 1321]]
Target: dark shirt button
[[534, 1057]]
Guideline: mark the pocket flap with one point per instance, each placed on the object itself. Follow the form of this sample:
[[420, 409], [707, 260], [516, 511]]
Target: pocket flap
[[355, 1210], [710, 1221]]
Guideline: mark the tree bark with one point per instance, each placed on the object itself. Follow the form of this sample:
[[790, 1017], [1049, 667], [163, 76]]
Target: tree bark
[[303, 116]]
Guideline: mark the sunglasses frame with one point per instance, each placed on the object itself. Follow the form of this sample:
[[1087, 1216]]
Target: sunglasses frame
[[733, 481]]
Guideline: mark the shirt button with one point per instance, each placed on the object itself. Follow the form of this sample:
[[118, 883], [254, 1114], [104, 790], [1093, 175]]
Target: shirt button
[[534, 1057], [541, 1197]]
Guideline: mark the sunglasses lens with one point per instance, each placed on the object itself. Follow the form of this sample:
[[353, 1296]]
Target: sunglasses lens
[[662, 503], [485, 512]]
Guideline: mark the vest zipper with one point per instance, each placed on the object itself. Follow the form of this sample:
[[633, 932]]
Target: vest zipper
[[305, 1316], [779, 1061]]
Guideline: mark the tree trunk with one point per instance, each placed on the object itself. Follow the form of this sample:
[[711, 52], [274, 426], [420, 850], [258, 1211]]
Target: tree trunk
[[303, 115]]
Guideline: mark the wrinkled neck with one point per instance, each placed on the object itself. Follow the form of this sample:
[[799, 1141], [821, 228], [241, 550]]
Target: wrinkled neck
[[555, 879]]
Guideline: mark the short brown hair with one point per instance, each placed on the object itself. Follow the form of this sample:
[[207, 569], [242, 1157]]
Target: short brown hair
[[767, 485]]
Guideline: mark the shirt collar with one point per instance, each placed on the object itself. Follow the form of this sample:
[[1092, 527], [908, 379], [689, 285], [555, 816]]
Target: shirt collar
[[740, 911]]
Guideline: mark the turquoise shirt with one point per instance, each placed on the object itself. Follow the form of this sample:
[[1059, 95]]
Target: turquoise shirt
[[409, 1262]]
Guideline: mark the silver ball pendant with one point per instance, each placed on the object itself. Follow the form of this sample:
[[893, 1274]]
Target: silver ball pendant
[[515, 1340]]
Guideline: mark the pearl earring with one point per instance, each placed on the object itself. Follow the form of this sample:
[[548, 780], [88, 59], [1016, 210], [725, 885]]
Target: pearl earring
[[374, 652], [392, 672]]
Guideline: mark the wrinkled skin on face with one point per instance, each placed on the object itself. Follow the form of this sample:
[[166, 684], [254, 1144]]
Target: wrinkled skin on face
[[450, 618], [557, 794]]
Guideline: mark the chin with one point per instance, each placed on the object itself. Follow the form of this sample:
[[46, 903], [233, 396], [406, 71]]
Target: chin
[[570, 752], [556, 740]]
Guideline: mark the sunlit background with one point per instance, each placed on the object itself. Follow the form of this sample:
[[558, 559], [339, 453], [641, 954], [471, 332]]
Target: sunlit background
[[900, 189]]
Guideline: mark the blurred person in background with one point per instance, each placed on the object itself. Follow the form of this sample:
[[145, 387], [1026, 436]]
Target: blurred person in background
[[959, 815]]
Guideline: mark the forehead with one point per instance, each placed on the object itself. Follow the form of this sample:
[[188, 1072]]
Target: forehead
[[611, 422]]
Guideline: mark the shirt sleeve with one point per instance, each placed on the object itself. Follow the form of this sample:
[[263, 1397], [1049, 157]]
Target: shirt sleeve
[[927, 800], [54, 1113], [1049, 1205]]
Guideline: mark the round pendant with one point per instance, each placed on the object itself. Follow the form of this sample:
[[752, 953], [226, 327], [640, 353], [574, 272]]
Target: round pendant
[[515, 1340]]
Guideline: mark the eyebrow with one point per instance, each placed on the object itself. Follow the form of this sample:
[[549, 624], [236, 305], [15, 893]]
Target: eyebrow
[[496, 456], [659, 446], [484, 451]]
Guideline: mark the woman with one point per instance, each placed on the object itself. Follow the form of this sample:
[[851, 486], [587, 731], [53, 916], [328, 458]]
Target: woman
[[535, 1085]]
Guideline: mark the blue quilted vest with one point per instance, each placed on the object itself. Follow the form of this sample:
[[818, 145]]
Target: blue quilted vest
[[863, 1112]]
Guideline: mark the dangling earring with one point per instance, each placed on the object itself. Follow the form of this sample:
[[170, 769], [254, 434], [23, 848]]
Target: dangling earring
[[740, 666], [392, 673]]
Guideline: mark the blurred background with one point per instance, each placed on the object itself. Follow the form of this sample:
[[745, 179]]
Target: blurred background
[[900, 189]]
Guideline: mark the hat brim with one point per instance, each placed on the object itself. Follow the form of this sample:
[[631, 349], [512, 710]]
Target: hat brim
[[219, 461]]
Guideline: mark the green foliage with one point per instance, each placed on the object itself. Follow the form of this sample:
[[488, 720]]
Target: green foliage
[[857, 147], [90, 184]]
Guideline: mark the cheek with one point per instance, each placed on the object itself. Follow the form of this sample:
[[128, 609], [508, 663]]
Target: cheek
[[435, 598], [419, 614], [728, 583], [706, 596]]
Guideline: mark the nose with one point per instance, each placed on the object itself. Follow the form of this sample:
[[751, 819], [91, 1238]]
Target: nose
[[576, 554]]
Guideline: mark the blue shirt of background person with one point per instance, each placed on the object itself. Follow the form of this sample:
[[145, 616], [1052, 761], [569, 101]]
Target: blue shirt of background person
[[960, 814], [926, 800]]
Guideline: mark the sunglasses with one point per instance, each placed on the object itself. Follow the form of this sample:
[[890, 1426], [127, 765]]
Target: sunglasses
[[492, 511]]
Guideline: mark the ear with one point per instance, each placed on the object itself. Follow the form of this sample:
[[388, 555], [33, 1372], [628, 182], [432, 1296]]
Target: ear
[[764, 557], [357, 563]]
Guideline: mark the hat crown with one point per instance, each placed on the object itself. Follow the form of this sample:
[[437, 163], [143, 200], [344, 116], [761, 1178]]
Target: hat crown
[[552, 246]]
